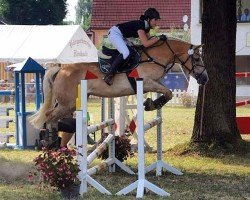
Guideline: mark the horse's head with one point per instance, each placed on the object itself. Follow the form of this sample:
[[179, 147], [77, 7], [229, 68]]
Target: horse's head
[[191, 60]]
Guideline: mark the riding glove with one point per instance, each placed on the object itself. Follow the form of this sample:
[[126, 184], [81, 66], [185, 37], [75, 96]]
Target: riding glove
[[163, 37]]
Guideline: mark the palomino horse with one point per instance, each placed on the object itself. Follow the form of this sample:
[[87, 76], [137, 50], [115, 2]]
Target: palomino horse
[[60, 84]]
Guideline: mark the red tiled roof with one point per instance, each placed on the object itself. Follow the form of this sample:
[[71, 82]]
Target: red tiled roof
[[106, 13]]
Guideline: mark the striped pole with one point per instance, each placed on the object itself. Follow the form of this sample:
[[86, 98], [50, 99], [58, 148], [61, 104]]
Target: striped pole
[[102, 125], [98, 151], [243, 74], [242, 103]]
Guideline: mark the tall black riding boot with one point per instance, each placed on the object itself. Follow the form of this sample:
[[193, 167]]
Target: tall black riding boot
[[108, 78]]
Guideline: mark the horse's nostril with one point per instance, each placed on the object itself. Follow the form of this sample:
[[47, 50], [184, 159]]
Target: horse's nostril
[[203, 80]]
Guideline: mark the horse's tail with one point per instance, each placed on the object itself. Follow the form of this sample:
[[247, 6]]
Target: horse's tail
[[39, 118]]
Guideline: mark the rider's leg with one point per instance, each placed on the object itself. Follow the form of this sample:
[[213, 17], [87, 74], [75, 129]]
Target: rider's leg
[[117, 62], [65, 138], [68, 128], [116, 38]]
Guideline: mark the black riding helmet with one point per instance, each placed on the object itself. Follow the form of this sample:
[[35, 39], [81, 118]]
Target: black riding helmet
[[151, 13]]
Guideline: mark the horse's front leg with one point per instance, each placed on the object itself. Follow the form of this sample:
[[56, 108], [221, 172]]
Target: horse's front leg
[[153, 86]]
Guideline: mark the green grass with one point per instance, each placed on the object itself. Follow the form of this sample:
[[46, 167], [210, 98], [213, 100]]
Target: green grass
[[226, 177]]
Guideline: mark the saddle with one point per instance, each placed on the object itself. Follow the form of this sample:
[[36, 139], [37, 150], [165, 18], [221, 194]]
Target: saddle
[[106, 57]]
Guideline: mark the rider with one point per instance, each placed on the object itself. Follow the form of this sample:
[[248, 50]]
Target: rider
[[138, 28]]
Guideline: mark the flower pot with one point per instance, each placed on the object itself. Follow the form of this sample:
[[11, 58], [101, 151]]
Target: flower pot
[[71, 192]]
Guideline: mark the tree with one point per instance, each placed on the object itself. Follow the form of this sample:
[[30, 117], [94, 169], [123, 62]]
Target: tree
[[215, 117], [40, 12], [83, 13]]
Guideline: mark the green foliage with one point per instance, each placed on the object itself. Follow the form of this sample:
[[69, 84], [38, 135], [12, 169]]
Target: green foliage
[[84, 13], [33, 12], [3, 6], [187, 100], [180, 34]]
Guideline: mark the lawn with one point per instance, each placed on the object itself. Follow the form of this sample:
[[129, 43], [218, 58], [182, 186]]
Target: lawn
[[225, 177]]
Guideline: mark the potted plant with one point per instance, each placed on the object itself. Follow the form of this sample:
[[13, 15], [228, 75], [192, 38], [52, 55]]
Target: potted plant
[[59, 169], [122, 148]]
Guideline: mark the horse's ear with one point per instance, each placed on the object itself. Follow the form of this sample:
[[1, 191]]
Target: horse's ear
[[199, 46]]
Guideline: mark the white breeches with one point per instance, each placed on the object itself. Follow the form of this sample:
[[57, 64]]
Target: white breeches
[[116, 39]]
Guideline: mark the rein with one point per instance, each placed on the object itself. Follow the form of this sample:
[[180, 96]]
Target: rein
[[175, 56]]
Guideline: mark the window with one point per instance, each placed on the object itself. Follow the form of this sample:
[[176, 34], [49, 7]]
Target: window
[[242, 13]]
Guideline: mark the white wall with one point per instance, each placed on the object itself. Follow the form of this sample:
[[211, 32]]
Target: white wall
[[241, 42], [195, 25], [241, 39]]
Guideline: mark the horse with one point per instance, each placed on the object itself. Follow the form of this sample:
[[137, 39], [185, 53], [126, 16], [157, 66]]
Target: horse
[[60, 83]]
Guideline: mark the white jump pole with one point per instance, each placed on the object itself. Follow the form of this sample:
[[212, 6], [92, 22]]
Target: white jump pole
[[159, 165], [141, 183], [81, 134], [82, 130]]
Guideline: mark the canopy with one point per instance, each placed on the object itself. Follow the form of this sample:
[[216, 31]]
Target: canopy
[[46, 44]]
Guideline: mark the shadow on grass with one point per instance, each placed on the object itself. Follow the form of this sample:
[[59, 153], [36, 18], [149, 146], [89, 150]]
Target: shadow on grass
[[11, 171]]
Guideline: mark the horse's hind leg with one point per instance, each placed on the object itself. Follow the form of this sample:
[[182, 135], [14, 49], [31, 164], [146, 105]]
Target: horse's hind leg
[[153, 86], [53, 115]]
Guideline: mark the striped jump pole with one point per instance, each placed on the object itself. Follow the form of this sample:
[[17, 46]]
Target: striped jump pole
[[243, 74], [141, 183], [98, 151], [102, 125], [242, 103]]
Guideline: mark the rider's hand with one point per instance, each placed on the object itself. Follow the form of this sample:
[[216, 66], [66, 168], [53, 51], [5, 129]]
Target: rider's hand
[[163, 37]]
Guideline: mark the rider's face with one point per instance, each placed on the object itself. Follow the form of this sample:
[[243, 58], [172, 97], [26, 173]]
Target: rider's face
[[153, 22]]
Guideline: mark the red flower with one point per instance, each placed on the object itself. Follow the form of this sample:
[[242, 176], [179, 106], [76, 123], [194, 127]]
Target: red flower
[[58, 168]]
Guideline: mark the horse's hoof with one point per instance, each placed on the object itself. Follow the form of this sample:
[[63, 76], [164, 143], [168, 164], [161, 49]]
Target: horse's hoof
[[147, 102], [149, 105]]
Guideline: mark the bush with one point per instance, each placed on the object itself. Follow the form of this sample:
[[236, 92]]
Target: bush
[[187, 100]]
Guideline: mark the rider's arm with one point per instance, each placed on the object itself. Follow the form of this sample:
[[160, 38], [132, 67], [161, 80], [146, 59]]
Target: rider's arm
[[144, 39]]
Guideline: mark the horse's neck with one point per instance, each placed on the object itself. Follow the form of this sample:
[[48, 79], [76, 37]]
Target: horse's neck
[[178, 47], [165, 52]]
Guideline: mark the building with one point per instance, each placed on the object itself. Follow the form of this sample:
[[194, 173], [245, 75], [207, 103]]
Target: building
[[242, 41], [107, 13]]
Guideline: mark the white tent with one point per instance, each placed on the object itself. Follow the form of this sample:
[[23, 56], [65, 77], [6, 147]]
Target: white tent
[[46, 44]]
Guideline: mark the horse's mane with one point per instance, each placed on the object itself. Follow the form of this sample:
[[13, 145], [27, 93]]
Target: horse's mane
[[178, 39], [160, 42]]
